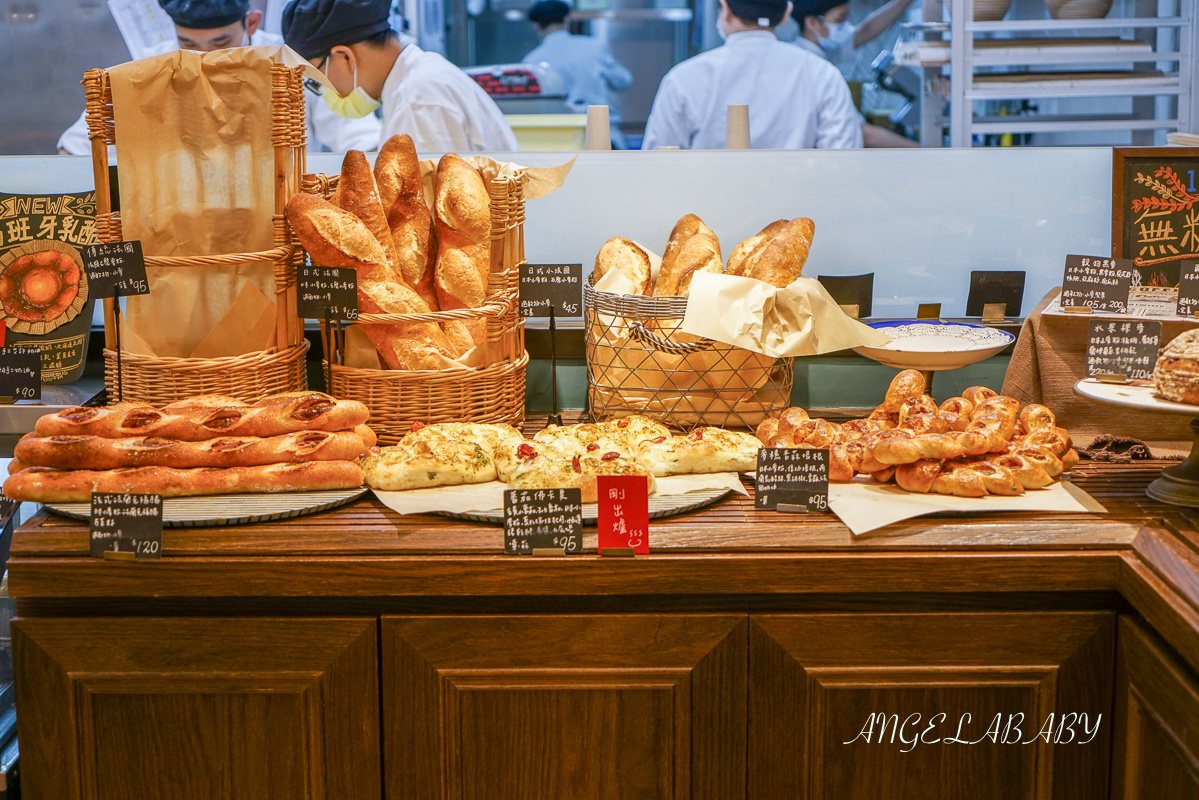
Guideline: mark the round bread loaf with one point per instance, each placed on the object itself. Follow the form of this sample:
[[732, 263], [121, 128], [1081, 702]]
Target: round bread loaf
[[1177, 371]]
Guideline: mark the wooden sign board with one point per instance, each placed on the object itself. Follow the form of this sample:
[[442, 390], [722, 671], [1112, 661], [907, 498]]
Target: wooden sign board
[[1123, 347], [1098, 283], [115, 268], [327, 293], [126, 523], [1155, 210], [792, 476], [536, 519], [545, 286]]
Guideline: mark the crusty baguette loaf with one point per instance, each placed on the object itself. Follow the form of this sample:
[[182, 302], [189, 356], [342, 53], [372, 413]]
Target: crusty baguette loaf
[[692, 248], [336, 238], [96, 452], [358, 193], [271, 416], [45, 485], [462, 221], [629, 258], [397, 174], [738, 259], [779, 259]]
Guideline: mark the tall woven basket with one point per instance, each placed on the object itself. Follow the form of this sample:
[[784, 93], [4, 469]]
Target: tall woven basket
[[640, 362], [494, 392], [249, 376]]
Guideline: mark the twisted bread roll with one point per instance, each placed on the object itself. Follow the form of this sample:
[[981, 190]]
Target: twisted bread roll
[[402, 195], [1026, 469], [692, 248], [976, 394], [97, 452], [958, 405], [629, 258], [271, 416], [907, 384], [1035, 415], [336, 238], [45, 485], [462, 222]]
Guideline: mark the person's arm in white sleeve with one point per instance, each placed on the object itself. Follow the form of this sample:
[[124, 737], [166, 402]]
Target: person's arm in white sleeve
[[74, 141], [434, 129], [667, 123], [340, 134], [616, 75], [838, 124]]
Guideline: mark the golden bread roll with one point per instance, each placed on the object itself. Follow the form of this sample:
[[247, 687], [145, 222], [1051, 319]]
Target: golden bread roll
[[692, 248], [738, 259], [629, 258], [779, 259], [402, 194], [358, 193], [462, 222], [336, 238]]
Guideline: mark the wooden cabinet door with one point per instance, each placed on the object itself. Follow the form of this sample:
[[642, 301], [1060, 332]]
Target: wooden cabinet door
[[1156, 754], [613, 707], [210, 709], [833, 700]]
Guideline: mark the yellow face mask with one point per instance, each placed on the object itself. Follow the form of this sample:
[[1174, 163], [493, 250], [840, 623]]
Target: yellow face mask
[[355, 105]]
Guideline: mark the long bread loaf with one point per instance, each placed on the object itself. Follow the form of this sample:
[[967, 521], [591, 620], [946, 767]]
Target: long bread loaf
[[97, 452], [336, 238], [271, 416], [358, 193], [45, 485], [629, 258], [692, 248], [739, 258], [462, 221], [397, 174], [779, 259]]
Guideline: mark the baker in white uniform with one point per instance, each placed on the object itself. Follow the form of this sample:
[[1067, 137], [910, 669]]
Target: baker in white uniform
[[585, 63], [795, 99], [421, 93], [207, 25]]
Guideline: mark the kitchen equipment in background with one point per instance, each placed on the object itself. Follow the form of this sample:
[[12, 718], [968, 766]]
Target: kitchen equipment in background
[[533, 99]]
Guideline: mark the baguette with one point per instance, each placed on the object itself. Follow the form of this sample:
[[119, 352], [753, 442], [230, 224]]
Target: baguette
[[45, 485], [462, 222], [779, 259], [336, 238], [96, 452], [628, 257], [271, 416], [397, 174], [692, 248], [738, 259], [358, 194]]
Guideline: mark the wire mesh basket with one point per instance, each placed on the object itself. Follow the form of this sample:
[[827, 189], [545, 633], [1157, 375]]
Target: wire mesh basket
[[640, 362]]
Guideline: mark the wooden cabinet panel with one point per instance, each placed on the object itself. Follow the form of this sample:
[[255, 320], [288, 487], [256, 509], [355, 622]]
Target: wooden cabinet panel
[[251, 709], [834, 699], [550, 707], [1156, 754]]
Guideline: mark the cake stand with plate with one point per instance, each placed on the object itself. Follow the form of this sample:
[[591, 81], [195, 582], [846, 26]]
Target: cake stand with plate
[[1179, 484], [931, 345]]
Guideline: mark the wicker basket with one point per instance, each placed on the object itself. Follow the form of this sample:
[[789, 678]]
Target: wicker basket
[[639, 362], [494, 392], [250, 376]]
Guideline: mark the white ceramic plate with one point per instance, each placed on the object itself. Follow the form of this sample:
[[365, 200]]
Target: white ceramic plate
[[916, 344], [1127, 396]]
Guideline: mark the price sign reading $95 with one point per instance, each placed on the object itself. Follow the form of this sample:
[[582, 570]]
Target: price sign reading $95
[[115, 268]]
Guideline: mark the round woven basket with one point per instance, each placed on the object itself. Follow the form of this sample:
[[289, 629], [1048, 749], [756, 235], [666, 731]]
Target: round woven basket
[[398, 398], [249, 377], [1078, 9]]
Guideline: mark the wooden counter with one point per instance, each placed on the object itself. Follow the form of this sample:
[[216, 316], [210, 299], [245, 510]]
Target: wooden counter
[[358, 654]]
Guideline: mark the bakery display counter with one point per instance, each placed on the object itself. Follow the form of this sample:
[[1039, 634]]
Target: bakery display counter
[[358, 653]]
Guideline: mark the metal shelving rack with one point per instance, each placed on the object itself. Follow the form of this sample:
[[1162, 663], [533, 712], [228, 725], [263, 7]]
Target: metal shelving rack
[[1163, 68]]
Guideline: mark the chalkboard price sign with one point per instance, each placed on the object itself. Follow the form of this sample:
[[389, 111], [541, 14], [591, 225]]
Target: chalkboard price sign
[[21, 373], [1155, 210], [792, 475], [1188, 289], [327, 293], [1100, 284], [537, 518], [126, 523], [543, 286], [115, 268], [1127, 348]]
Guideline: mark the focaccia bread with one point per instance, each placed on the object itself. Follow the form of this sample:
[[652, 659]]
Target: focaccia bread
[[546, 471], [1177, 370], [401, 191], [271, 416], [692, 248], [623, 433], [421, 464], [96, 452], [46, 485], [704, 450]]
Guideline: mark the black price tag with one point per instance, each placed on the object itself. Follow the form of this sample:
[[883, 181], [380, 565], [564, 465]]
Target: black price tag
[[115, 267], [792, 475], [851, 290], [1100, 284], [327, 293], [1123, 347], [1188, 289], [543, 286], [21, 373], [536, 518], [995, 286], [126, 523]]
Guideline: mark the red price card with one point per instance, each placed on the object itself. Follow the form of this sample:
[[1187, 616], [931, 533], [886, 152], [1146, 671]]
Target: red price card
[[623, 512], [3, 328]]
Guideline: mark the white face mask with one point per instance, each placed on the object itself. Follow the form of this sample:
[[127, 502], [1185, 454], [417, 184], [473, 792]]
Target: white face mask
[[356, 105], [839, 34], [722, 26]]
